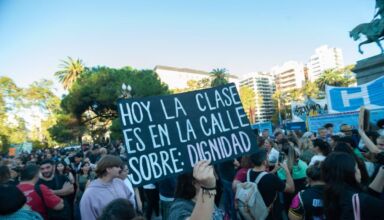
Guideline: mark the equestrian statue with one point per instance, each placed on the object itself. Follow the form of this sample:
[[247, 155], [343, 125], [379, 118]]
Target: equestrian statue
[[373, 31]]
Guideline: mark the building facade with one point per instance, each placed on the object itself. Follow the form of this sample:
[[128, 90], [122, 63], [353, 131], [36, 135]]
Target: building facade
[[289, 76], [177, 78], [325, 57], [262, 84]]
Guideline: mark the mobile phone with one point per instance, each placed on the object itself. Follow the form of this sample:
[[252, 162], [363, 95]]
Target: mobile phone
[[366, 120]]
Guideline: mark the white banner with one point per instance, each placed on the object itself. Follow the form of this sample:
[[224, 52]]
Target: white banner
[[309, 107], [346, 99]]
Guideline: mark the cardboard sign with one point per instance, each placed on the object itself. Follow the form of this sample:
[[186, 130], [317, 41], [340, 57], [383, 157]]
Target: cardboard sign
[[263, 125], [293, 126], [167, 135]]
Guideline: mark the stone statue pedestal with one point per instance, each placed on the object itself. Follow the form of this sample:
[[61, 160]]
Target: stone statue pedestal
[[369, 69]]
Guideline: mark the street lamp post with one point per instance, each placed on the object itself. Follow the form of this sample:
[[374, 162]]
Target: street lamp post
[[126, 91]]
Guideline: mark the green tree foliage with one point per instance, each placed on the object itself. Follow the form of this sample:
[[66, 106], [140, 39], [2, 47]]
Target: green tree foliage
[[280, 101], [17, 130], [40, 93], [219, 77], [336, 77], [279, 97], [66, 129], [91, 101], [275, 116], [295, 95], [15, 101], [310, 90], [194, 85], [247, 97], [99, 88], [115, 130], [70, 70], [10, 97]]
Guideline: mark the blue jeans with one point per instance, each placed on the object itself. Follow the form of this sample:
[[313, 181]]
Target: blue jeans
[[164, 208]]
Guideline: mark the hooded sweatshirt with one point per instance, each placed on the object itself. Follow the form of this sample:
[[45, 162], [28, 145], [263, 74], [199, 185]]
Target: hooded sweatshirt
[[99, 194]]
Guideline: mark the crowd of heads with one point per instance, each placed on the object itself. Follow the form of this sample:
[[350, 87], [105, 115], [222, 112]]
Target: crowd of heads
[[347, 160]]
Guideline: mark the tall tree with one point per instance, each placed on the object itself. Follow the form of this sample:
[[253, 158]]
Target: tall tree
[[280, 99], [310, 90], [91, 102], [67, 129], [40, 93], [193, 85], [295, 95], [71, 70], [92, 92], [219, 77], [10, 100], [247, 97], [336, 77]]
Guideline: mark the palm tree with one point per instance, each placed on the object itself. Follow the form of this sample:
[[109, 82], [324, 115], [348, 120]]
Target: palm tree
[[220, 77], [71, 70], [310, 90], [294, 95], [336, 77], [248, 99], [280, 99]]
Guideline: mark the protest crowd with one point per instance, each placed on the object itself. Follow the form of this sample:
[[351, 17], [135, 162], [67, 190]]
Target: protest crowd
[[293, 175]]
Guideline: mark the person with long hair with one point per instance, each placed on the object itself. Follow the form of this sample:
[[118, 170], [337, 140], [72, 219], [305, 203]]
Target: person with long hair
[[272, 153], [308, 203], [63, 169], [306, 147], [195, 195], [322, 149], [333, 141], [83, 179], [297, 168], [343, 196], [344, 147]]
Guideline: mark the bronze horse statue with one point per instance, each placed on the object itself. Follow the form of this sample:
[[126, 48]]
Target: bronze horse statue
[[374, 32]]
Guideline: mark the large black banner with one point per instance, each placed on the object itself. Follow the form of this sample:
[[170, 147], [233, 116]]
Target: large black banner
[[166, 135]]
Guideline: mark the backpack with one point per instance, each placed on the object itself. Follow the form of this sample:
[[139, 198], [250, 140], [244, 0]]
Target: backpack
[[63, 214], [249, 200]]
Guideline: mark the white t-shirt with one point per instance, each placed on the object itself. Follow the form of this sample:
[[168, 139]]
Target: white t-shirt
[[316, 158], [273, 156], [149, 186], [128, 183]]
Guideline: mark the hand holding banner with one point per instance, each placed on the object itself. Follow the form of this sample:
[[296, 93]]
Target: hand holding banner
[[166, 135]]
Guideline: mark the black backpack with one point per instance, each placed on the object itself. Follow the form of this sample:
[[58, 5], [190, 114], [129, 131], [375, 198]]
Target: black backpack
[[62, 214]]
